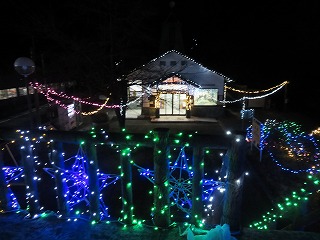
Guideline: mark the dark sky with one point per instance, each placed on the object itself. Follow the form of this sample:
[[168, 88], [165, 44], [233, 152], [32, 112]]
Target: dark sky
[[259, 43]]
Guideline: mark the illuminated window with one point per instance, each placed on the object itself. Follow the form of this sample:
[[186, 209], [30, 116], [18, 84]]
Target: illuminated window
[[22, 91], [205, 97], [12, 92], [8, 93], [135, 91], [3, 94], [31, 90]]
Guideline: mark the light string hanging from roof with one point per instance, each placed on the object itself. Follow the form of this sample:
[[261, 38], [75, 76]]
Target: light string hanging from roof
[[274, 89], [257, 91], [46, 91]]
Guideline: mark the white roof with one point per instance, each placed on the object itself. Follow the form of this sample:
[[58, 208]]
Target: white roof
[[173, 63]]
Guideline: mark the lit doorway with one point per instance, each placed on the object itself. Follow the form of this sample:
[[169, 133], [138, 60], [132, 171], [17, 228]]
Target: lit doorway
[[173, 104]]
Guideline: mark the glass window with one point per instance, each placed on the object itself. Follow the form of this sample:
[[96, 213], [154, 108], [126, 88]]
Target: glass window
[[205, 97], [22, 91], [31, 90], [3, 94], [8, 93], [12, 92], [135, 91]]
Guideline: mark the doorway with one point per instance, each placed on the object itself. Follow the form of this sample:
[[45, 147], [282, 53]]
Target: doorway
[[173, 104]]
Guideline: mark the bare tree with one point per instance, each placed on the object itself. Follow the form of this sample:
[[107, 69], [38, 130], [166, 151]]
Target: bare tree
[[92, 42]]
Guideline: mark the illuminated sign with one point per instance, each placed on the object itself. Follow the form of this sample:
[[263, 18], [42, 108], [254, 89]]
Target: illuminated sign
[[70, 109]]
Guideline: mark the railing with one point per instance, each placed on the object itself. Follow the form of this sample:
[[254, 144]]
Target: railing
[[161, 141]]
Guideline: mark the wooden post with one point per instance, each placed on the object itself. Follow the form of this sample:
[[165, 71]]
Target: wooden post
[[94, 192], [126, 187], [4, 198], [56, 156], [234, 161], [6, 195], [197, 206], [32, 195], [161, 175]]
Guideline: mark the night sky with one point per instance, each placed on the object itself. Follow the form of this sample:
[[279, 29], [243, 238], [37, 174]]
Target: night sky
[[259, 44]]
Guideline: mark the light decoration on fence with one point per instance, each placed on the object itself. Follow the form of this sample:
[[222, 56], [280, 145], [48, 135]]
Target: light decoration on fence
[[27, 150], [12, 174], [300, 153], [210, 186], [180, 187], [76, 180], [289, 204], [180, 183], [17, 174], [76, 176]]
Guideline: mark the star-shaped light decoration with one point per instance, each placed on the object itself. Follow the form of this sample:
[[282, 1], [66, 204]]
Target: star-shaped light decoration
[[13, 174], [180, 179], [210, 186], [76, 180]]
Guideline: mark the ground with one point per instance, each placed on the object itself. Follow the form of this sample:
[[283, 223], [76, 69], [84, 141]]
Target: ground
[[14, 226]]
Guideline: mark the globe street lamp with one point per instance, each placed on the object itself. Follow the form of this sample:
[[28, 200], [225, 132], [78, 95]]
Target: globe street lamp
[[25, 66]]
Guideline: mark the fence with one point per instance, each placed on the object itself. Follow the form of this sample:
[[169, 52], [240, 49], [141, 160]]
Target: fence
[[160, 140]]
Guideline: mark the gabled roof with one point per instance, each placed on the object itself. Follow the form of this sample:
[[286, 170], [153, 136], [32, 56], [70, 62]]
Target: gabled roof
[[174, 63]]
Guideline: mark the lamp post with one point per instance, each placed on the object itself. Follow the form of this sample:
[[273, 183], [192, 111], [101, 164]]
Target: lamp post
[[25, 66]]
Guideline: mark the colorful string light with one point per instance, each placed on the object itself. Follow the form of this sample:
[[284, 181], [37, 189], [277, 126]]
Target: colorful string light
[[300, 152], [76, 180]]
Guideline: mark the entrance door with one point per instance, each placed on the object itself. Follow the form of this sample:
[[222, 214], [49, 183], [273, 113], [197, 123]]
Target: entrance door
[[173, 104]]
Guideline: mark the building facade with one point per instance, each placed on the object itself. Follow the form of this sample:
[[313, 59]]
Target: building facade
[[174, 84]]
